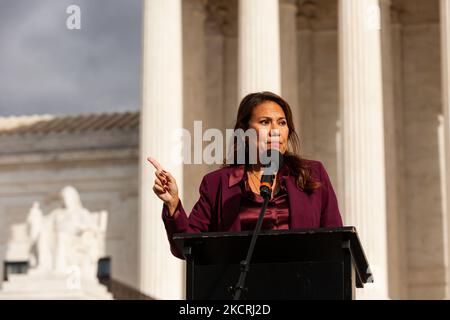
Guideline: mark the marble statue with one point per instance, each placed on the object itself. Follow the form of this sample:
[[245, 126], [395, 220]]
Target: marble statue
[[67, 237], [62, 248], [79, 235]]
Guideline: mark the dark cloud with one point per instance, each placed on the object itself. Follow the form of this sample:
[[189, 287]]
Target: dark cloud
[[46, 68]]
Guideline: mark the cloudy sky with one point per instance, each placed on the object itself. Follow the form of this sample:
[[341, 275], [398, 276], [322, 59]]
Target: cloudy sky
[[47, 68]]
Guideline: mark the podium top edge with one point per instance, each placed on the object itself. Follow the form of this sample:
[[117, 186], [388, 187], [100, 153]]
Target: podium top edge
[[184, 236]]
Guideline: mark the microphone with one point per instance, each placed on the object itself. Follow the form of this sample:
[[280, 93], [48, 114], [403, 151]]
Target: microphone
[[274, 162]]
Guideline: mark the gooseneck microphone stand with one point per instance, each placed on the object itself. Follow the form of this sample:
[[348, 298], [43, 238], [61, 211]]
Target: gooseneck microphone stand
[[266, 192]]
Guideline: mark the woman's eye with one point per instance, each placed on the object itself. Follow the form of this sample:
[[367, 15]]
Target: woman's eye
[[282, 123], [264, 122]]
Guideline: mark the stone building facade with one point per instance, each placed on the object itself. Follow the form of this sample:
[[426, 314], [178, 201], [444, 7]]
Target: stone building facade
[[97, 154], [368, 81]]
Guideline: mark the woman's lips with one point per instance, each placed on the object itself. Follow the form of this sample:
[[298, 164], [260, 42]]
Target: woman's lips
[[275, 142]]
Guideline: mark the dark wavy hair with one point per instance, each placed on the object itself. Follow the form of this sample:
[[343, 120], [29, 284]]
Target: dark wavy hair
[[298, 166]]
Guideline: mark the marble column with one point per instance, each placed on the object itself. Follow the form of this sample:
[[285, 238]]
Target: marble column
[[194, 93], [397, 67], [361, 103], [231, 91], [289, 56], [160, 274], [259, 47], [305, 72], [221, 61], [445, 60], [396, 236]]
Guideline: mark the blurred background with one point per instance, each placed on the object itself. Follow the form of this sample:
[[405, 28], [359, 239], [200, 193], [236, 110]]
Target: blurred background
[[88, 91]]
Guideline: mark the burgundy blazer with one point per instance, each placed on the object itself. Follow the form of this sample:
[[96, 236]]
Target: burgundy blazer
[[220, 198]]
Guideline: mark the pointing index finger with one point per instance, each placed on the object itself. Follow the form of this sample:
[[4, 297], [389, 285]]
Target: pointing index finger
[[155, 164]]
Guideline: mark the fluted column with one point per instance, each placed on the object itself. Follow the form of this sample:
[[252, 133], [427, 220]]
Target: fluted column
[[161, 114], [305, 49], [289, 56], [361, 102], [394, 216], [259, 46], [194, 56], [445, 59]]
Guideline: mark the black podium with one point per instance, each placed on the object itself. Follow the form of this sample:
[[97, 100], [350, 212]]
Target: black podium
[[286, 264]]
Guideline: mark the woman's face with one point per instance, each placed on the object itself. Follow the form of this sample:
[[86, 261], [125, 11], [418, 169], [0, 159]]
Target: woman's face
[[269, 121]]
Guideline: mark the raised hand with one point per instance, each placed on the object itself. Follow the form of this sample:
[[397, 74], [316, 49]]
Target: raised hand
[[165, 186]]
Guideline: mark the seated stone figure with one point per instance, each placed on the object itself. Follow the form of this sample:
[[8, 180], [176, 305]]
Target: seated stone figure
[[67, 238]]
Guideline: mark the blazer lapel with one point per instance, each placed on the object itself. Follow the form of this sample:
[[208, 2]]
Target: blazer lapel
[[301, 208], [295, 195], [231, 203]]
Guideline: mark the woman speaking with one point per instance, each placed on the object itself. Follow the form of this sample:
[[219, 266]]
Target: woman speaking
[[302, 195]]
